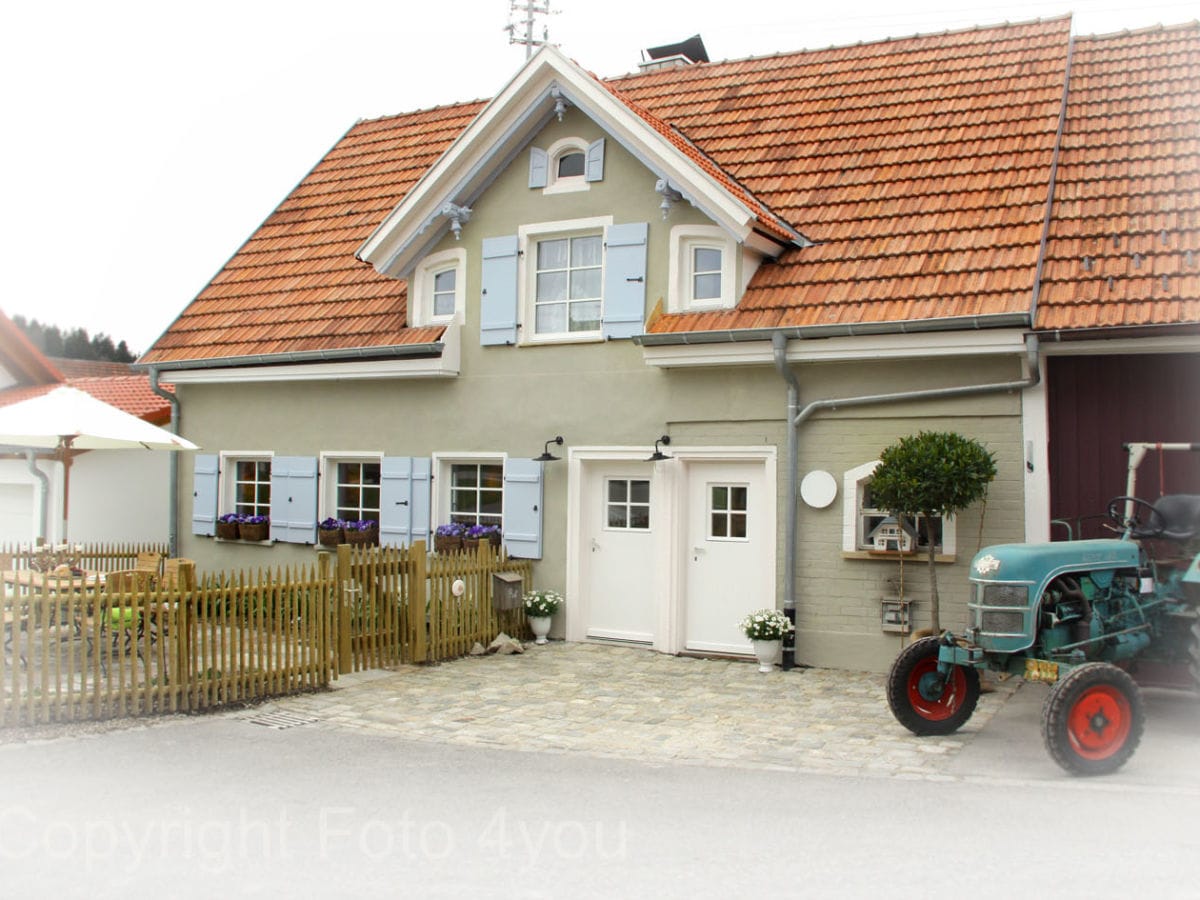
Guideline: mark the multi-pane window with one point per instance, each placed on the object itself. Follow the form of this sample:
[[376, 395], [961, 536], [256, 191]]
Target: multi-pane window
[[706, 273], [444, 292], [568, 285], [628, 504], [727, 511], [357, 490], [476, 493], [252, 487]]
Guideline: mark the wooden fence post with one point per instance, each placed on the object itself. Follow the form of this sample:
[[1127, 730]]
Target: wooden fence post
[[344, 596], [417, 600], [181, 646]]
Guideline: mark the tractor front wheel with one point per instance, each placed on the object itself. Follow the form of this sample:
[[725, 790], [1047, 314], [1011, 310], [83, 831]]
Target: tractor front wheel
[[922, 699], [1093, 719]]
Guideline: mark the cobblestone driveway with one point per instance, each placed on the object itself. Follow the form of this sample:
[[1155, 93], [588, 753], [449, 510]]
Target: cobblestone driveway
[[637, 704]]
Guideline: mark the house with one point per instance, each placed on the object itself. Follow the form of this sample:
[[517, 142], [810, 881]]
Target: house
[[116, 496], [726, 286]]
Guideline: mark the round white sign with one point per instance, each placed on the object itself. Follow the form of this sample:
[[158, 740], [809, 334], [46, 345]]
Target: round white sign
[[818, 489]]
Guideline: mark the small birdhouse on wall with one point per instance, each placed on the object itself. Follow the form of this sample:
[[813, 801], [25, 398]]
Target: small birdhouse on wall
[[890, 536]]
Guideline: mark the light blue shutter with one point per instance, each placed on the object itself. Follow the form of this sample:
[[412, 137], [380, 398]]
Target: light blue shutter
[[625, 280], [539, 166], [205, 471], [404, 500], [294, 499], [498, 304], [593, 169], [523, 508]]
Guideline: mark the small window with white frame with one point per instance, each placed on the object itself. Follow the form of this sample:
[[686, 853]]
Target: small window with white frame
[[352, 485], [702, 270], [727, 512], [246, 483], [469, 489], [870, 528], [627, 504], [567, 166], [437, 290]]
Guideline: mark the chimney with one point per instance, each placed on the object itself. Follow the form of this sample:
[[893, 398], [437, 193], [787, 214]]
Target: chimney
[[669, 56]]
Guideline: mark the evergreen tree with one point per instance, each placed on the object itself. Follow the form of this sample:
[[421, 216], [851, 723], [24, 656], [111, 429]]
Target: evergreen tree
[[74, 344]]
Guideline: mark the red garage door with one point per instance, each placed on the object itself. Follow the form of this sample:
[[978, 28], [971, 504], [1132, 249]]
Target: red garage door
[[1098, 403]]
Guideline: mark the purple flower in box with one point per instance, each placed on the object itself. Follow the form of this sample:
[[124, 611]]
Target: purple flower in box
[[482, 532], [255, 520], [230, 518], [330, 524], [454, 529], [362, 525]]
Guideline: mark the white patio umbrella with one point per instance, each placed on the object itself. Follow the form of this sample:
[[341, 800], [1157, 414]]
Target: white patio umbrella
[[67, 419]]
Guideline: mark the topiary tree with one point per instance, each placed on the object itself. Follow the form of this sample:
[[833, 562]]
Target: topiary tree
[[934, 473]]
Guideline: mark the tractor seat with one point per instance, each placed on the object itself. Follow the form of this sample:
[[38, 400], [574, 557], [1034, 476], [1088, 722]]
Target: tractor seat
[[1180, 514]]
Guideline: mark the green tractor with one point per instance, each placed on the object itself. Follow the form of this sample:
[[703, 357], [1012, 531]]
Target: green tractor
[[1086, 616]]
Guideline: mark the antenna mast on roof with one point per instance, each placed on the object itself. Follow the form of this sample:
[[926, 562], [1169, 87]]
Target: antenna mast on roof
[[530, 8]]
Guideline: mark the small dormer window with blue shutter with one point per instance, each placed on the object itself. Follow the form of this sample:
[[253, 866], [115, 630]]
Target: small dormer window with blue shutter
[[569, 164]]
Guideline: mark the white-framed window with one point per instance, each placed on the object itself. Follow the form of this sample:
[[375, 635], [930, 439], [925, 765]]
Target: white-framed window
[[469, 489], [563, 281], [867, 528], [246, 483], [351, 485], [567, 166], [437, 290], [727, 512], [702, 269], [627, 504]]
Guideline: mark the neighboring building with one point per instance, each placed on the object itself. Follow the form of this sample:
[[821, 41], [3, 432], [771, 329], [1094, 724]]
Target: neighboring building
[[859, 239], [116, 496]]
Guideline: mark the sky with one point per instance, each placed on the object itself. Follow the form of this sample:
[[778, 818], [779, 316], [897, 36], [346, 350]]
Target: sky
[[144, 142]]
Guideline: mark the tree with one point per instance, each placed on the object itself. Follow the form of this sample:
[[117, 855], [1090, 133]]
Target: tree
[[73, 344], [934, 473]]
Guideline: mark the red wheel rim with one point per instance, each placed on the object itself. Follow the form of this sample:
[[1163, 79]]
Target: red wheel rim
[[1099, 722], [922, 683]]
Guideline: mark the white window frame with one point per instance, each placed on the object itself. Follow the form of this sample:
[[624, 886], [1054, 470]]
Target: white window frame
[[327, 502], [853, 540], [729, 512], [528, 237], [570, 183], [628, 503], [420, 294], [227, 489], [684, 240], [442, 479]]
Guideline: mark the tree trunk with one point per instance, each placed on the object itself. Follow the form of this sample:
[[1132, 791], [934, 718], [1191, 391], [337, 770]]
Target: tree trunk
[[935, 622]]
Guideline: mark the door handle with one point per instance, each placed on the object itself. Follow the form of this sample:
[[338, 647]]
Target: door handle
[[595, 545], [697, 552]]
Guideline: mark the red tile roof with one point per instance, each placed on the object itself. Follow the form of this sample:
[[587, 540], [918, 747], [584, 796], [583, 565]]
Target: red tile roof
[[920, 167], [1124, 247], [130, 393]]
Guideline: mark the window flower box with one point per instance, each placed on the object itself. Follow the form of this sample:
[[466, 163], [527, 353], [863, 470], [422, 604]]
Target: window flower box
[[365, 532], [449, 538], [228, 526], [330, 532], [254, 528]]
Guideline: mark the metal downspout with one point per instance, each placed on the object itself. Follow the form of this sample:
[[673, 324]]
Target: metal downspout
[[43, 505], [779, 344], [795, 420], [172, 466]]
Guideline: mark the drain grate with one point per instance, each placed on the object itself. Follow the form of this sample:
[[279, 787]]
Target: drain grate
[[281, 719]]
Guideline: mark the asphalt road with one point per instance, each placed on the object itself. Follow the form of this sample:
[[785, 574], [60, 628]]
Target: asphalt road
[[214, 806]]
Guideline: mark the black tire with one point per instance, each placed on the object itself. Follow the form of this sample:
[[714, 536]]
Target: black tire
[[1092, 722], [920, 700]]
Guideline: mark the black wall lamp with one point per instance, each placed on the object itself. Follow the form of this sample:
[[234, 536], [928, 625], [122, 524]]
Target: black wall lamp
[[547, 456], [658, 455]]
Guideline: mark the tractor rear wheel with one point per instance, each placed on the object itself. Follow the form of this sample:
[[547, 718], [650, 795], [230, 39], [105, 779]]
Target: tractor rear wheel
[[1093, 719], [924, 701]]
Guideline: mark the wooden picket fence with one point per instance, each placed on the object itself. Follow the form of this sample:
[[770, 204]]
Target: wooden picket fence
[[75, 651]]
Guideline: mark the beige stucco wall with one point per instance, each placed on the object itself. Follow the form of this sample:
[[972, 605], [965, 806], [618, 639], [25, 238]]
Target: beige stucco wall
[[510, 400]]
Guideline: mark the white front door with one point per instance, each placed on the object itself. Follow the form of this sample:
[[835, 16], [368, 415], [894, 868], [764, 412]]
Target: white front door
[[729, 553], [618, 551]]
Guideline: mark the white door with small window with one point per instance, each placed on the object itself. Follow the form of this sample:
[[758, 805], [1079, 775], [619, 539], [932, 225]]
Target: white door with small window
[[618, 552], [729, 568]]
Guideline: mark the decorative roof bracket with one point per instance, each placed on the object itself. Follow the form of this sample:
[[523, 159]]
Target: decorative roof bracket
[[560, 102], [669, 194], [458, 215]]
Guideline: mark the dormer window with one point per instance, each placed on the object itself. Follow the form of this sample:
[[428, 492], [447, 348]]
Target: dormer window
[[702, 269], [570, 164], [436, 292]]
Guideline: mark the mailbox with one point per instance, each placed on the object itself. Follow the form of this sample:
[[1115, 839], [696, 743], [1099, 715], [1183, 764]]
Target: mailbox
[[507, 590]]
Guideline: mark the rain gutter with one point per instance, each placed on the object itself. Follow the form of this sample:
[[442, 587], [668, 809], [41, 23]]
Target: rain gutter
[[797, 417], [43, 505], [352, 354], [172, 465]]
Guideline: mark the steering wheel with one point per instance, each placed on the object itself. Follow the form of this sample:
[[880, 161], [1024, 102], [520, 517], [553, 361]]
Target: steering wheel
[[1143, 520]]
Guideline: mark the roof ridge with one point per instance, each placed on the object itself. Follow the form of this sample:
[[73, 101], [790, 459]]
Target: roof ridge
[[801, 51], [1192, 25]]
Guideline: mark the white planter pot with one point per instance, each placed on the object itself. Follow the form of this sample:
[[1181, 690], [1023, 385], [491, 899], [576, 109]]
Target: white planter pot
[[540, 626], [766, 652]]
